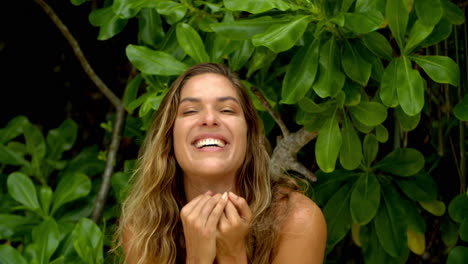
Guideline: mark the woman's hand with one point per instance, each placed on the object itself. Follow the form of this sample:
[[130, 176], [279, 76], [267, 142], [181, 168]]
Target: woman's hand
[[232, 230], [200, 218]]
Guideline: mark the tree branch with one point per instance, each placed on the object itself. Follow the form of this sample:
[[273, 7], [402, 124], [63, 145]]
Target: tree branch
[[120, 110], [284, 155]]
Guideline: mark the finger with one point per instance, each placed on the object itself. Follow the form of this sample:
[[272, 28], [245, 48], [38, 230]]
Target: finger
[[199, 205], [208, 207], [231, 213], [241, 206], [217, 211], [223, 223], [188, 208]]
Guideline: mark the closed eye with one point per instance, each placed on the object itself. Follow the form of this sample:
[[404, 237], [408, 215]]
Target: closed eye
[[187, 112], [227, 111]]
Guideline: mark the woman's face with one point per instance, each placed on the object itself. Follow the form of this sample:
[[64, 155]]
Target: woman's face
[[210, 131]]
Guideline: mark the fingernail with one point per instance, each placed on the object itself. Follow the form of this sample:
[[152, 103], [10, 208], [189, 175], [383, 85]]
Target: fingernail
[[233, 195], [224, 197]]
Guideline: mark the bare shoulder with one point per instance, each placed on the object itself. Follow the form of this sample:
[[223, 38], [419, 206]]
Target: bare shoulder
[[303, 234]]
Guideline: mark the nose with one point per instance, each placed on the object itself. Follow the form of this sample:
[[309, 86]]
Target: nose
[[209, 118]]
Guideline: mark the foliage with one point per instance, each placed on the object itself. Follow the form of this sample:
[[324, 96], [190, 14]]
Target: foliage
[[365, 74]]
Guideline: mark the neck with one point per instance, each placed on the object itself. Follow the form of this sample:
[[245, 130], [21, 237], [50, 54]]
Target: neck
[[194, 186]]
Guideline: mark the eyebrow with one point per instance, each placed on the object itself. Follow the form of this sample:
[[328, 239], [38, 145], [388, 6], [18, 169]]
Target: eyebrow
[[219, 99]]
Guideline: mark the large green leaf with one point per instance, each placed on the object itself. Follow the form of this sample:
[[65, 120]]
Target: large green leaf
[[397, 17], [46, 238], [241, 55], [22, 189], [328, 144], [458, 207], [407, 123], [172, 11], [458, 255], [390, 224], [10, 157], [365, 198], [10, 224], [418, 33], [434, 207], [452, 12], [357, 68], [261, 59], [413, 218], [131, 92], [429, 11], [150, 28], [372, 250], [389, 84], [129, 8], [441, 69], [329, 183], [300, 73], [351, 149], [282, 37], [45, 197], [88, 241], [368, 5], [364, 22], [402, 162], [244, 29], [370, 148], [337, 214], [13, 128], [154, 62], [191, 42], [464, 230], [441, 31], [256, 6], [330, 79], [410, 87], [9, 255], [378, 44], [461, 109], [369, 113], [108, 22], [420, 187], [70, 188]]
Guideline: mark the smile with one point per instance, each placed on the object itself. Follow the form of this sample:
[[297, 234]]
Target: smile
[[209, 142]]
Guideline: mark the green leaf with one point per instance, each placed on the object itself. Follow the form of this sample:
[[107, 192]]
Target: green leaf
[[78, 2], [418, 33], [261, 59], [461, 109], [330, 79], [410, 87], [458, 255], [241, 55], [458, 208], [10, 157], [441, 69], [420, 187], [434, 207], [256, 6], [337, 215], [70, 188], [46, 237], [367, 5], [328, 144], [365, 199], [413, 217], [11, 224], [381, 133], [329, 183], [351, 149], [245, 29], [35, 143], [407, 123], [389, 84], [429, 11], [300, 73], [45, 197], [464, 230], [88, 241], [154, 62], [390, 224], [371, 148], [364, 22], [452, 12], [282, 37], [22, 189], [449, 232], [9, 255], [352, 93], [397, 16], [441, 32], [68, 130], [131, 91], [369, 113], [150, 27], [191, 43], [172, 11], [13, 128], [108, 22], [402, 162], [358, 69]]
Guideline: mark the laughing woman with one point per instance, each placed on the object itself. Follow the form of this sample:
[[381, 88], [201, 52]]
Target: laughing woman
[[202, 192]]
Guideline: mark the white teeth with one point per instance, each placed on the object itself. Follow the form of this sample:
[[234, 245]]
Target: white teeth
[[209, 142]]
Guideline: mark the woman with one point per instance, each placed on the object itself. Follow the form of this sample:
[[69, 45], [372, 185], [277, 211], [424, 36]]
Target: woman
[[202, 192]]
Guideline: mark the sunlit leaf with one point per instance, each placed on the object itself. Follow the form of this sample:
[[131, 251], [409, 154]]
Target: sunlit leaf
[[397, 17], [441, 69], [429, 11], [369, 113], [191, 42], [154, 62], [22, 189], [358, 69], [410, 87], [330, 77], [256, 6], [328, 144]]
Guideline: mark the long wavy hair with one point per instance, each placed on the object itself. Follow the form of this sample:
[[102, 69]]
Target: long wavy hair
[[151, 210]]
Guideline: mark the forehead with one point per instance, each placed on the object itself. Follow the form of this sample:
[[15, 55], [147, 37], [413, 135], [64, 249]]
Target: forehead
[[208, 85]]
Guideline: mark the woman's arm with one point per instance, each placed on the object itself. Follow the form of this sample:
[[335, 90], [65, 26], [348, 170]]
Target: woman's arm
[[303, 236]]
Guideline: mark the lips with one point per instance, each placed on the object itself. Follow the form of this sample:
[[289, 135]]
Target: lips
[[207, 141]]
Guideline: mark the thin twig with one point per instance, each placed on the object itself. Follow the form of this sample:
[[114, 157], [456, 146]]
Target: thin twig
[[120, 110], [273, 113]]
